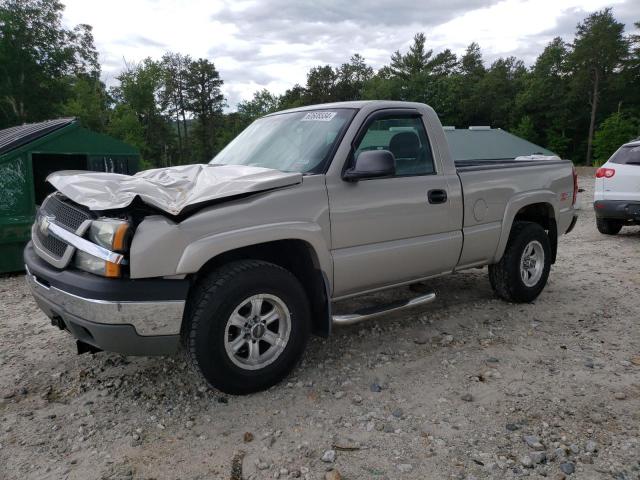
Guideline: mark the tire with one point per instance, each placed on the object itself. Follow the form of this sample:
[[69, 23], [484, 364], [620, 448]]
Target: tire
[[211, 335], [506, 276], [608, 226]]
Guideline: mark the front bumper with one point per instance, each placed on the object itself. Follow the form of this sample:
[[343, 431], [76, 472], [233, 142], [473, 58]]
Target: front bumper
[[133, 317], [618, 209]]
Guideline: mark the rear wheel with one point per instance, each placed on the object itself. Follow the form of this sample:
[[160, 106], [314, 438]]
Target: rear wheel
[[247, 326], [522, 272], [608, 226]]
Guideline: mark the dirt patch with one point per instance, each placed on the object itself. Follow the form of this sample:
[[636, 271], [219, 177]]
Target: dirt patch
[[469, 387]]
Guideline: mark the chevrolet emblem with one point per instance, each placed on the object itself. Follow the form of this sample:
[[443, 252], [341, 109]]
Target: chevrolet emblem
[[43, 224]]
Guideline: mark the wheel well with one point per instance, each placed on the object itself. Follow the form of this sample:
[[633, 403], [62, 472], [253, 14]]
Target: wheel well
[[298, 257], [544, 215]]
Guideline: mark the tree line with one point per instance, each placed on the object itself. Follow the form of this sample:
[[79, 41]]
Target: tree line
[[580, 99]]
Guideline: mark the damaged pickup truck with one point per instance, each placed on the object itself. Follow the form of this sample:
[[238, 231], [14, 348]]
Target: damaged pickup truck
[[239, 261]]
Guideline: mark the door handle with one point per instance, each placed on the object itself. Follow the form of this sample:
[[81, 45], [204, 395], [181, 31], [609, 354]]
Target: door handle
[[437, 196]]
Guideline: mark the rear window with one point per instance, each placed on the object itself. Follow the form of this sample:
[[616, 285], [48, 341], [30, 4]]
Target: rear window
[[627, 156]]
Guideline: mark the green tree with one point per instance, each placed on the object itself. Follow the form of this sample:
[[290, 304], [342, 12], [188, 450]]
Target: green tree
[[295, 96], [352, 77], [558, 142], [230, 126], [173, 99], [262, 103], [440, 86], [37, 55], [630, 75], [471, 64], [613, 132], [139, 90], [465, 85], [444, 63], [497, 91], [125, 125], [413, 63], [410, 71], [599, 49], [525, 129], [321, 84], [384, 85], [543, 97], [89, 101], [634, 47], [172, 109], [205, 102], [417, 75]]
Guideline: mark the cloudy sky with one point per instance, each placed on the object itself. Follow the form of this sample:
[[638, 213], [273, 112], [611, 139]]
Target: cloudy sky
[[273, 43]]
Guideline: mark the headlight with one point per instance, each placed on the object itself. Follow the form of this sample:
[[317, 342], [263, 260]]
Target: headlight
[[110, 233], [95, 265]]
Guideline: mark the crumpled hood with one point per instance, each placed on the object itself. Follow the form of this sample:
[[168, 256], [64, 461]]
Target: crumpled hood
[[169, 189]]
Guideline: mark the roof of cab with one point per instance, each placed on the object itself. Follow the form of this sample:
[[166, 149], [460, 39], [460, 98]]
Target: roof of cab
[[633, 143], [356, 104]]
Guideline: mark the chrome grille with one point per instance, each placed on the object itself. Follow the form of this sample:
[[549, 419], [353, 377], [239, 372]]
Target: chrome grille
[[53, 245], [65, 215]]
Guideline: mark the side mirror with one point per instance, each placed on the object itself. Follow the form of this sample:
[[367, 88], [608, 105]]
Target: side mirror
[[371, 164]]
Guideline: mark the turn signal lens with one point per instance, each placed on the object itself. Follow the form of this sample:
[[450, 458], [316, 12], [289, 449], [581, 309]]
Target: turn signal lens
[[605, 173], [97, 266], [120, 236], [111, 270]]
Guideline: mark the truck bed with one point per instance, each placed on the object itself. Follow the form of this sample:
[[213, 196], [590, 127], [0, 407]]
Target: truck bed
[[489, 193]]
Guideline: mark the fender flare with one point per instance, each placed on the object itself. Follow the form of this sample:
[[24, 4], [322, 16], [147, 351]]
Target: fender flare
[[514, 206], [197, 253]]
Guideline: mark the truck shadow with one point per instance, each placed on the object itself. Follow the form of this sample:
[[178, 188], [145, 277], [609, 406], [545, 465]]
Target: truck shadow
[[454, 292], [456, 296]]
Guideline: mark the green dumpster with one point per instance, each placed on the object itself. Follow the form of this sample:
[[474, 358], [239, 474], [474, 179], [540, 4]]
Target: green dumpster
[[28, 153]]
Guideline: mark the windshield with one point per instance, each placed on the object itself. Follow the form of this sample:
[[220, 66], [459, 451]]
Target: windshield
[[627, 155], [289, 142]]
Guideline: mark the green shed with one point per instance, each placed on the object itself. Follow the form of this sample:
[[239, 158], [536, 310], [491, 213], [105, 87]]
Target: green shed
[[28, 153], [473, 143], [486, 143]]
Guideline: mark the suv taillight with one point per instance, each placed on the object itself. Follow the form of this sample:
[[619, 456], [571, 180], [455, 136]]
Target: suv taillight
[[575, 186], [605, 173]]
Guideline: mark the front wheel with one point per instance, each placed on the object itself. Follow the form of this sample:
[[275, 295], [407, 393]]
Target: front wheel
[[608, 226], [522, 272], [247, 326]]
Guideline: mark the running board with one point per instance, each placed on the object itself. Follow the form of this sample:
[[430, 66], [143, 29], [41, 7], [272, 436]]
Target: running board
[[380, 310]]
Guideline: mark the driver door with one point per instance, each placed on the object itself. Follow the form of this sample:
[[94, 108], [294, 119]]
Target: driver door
[[388, 231]]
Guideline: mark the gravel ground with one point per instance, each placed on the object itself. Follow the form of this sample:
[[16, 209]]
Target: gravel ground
[[468, 387]]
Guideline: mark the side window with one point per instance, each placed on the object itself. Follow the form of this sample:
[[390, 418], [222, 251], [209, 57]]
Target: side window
[[406, 138]]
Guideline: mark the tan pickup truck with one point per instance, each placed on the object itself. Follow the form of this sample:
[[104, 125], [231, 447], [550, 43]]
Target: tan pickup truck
[[239, 261]]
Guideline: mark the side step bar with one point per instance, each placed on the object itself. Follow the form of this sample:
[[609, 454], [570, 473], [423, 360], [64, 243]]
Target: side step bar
[[380, 310]]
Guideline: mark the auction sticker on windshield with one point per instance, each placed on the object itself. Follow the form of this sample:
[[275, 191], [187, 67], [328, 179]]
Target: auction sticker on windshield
[[318, 117]]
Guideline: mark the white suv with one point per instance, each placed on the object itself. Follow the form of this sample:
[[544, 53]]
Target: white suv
[[617, 194]]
